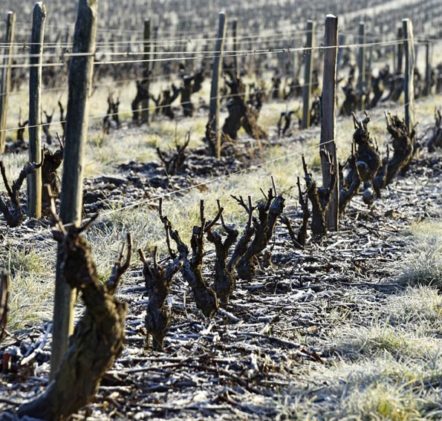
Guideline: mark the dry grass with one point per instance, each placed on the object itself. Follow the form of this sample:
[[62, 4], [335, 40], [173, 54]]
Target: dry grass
[[389, 369], [424, 263], [387, 366], [32, 284]]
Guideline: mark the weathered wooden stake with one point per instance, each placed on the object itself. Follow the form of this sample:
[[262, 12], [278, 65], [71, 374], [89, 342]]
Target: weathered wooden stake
[[235, 47], [35, 76], [308, 67], [407, 29], [361, 64], [427, 90], [400, 51], [154, 49], [147, 70], [369, 68], [328, 120], [295, 67], [214, 91], [6, 77], [80, 82], [251, 66]]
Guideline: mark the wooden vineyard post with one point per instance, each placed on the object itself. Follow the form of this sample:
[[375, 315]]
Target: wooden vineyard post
[[80, 82], [427, 90], [327, 146], [214, 91], [154, 49], [361, 64], [400, 51], [407, 29], [6, 77], [369, 67], [235, 47], [295, 70], [35, 81], [307, 88], [146, 72]]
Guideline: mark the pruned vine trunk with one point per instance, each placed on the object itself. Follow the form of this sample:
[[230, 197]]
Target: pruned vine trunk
[[269, 211], [158, 279], [98, 338]]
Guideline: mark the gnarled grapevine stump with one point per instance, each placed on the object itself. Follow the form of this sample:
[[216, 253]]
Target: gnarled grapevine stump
[[98, 338]]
